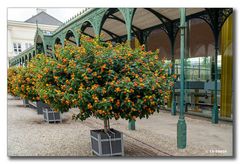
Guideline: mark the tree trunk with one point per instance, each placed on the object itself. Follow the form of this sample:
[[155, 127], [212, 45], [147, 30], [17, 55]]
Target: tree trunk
[[106, 125]]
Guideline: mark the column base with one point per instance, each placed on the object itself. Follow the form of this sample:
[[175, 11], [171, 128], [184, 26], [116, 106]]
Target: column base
[[181, 134]]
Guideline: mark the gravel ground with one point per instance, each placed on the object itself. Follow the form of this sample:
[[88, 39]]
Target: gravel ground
[[29, 135]]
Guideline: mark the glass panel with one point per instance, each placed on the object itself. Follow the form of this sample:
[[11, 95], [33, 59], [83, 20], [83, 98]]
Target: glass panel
[[19, 47], [15, 48], [14, 45], [26, 45]]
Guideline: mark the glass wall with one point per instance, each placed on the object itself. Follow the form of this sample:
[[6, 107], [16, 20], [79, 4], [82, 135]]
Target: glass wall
[[199, 68]]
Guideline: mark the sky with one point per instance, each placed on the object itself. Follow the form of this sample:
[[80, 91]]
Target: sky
[[22, 14]]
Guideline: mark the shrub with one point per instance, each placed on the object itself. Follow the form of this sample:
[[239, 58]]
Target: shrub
[[24, 84], [56, 84], [11, 79]]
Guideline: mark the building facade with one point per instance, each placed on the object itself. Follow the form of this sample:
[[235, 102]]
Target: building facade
[[21, 34]]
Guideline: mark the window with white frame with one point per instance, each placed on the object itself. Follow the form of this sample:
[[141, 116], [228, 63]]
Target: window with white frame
[[17, 48], [27, 45]]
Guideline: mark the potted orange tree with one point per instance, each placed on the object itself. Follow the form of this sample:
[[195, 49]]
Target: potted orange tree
[[105, 82], [40, 68], [22, 83], [32, 82], [116, 82], [55, 81]]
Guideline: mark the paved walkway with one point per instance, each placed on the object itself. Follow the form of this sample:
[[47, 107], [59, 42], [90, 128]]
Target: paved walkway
[[29, 135]]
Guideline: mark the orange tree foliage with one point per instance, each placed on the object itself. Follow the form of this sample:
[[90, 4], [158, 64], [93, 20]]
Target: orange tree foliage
[[102, 80], [117, 82], [23, 83], [11, 79], [46, 87], [56, 84]]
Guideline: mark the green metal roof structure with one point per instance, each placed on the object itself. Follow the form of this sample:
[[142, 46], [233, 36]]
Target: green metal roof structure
[[120, 24]]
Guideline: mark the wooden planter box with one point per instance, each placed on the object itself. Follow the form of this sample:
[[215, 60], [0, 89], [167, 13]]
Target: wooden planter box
[[107, 144], [25, 102], [51, 117], [40, 106]]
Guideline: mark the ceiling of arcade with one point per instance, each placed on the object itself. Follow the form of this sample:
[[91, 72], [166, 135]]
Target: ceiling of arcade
[[114, 26]]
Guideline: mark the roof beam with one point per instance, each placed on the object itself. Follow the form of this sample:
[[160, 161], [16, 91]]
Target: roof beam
[[120, 38], [71, 41], [195, 15], [159, 26], [110, 33], [120, 20], [87, 34], [158, 15]]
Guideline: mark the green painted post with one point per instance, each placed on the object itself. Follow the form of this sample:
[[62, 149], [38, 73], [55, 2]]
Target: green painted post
[[181, 125], [215, 106], [173, 111], [131, 123], [129, 36], [62, 40]]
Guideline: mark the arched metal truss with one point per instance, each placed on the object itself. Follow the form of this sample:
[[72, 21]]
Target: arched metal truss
[[95, 19]]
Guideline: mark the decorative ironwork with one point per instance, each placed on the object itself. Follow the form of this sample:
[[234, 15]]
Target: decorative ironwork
[[175, 28], [215, 17]]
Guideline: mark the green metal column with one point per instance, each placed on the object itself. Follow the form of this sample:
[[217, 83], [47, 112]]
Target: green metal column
[[129, 36], [62, 40], [53, 50], [77, 36], [215, 105], [173, 111], [181, 125], [187, 70], [131, 123]]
